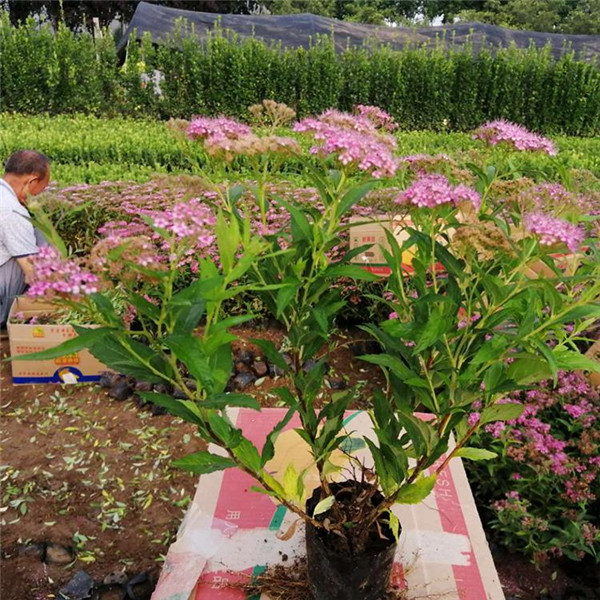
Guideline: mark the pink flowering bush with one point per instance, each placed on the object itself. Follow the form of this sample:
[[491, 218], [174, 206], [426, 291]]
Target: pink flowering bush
[[513, 135], [552, 231], [433, 190], [211, 128], [58, 276], [353, 141], [543, 492]]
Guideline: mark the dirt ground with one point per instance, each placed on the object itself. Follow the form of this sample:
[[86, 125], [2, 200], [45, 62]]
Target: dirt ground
[[87, 485]]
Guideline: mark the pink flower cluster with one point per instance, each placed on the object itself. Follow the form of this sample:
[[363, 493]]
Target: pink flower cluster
[[377, 116], [193, 220], [216, 127], [434, 190], [56, 275], [554, 231], [354, 140], [495, 132], [333, 118]]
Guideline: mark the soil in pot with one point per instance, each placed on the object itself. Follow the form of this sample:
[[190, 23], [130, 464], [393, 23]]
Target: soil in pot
[[337, 569]]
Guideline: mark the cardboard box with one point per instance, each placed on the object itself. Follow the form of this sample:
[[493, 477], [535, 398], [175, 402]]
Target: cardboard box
[[24, 339], [230, 532], [594, 353], [373, 232]]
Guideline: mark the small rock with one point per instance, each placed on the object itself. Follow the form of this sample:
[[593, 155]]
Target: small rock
[[337, 384], [143, 581], [241, 367], [121, 390], [108, 379], [191, 385], [157, 411], [310, 364], [243, 380], [79, 588], [35, 550], [179, 394], [141, 402], [284, 557], [143, 386], [162, 388], [275, 371], [244, 356], [260, 368], [116, 578], [57, 554]]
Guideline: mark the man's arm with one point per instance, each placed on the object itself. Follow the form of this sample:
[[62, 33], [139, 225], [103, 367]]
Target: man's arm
[[27, 267]]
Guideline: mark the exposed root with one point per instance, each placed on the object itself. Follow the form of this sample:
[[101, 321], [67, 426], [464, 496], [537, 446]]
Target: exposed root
[[291, 583]]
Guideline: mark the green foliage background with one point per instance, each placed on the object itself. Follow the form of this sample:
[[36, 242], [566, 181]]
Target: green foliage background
[[65, 72]]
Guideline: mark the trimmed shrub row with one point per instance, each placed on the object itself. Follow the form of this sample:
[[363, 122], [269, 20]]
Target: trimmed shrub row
[[457, 89]]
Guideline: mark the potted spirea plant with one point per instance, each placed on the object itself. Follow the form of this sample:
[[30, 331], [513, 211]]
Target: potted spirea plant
[[470, 321]]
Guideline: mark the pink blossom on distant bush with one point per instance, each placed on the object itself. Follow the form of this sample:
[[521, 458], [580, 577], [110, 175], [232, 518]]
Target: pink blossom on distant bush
[[377, 116], [517, 136], [434, 190], [216, 127], [251, 145], [57, 275], [554, 231], [367, 151], [333, 118]]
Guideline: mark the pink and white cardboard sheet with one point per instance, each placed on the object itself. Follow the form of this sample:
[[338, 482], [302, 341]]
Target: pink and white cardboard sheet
[[231, 532]]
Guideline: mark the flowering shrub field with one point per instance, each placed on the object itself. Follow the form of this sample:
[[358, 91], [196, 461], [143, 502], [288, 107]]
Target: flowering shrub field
[[143, 255], [87, 149]]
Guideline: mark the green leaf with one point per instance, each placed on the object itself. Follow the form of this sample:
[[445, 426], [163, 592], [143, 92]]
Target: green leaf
[[416, 492], [106, 309], [271, 353], [301, 229], [269, 448], [290, 482], [423, 436], [569, 360], [228, 239], [324, 505], [204, 462], [354, 195], [191, 352], [436, 326], [222, 401], [130, 357], [85, 338], [245, 451], [285, 295], [353, 271], [475, 454], [175, 407], [528, 368], [187, 307], [549, 356], [501, 412], [397, 367], [394, 525]]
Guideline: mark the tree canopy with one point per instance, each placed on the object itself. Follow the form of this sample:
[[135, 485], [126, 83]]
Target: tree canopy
[[555, 16]]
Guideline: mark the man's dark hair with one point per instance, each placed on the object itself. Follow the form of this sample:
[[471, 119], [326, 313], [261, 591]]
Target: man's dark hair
[[27, 162]]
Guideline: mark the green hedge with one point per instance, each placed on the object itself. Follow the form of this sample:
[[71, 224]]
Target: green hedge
[[62, 72]]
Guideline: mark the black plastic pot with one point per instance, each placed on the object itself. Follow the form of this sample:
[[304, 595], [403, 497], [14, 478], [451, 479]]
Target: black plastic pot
[[334, 573]]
